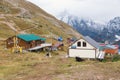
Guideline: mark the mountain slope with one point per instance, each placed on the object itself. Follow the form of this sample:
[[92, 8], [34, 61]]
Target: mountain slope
[[87, 27], [24, 17], [84, 26]]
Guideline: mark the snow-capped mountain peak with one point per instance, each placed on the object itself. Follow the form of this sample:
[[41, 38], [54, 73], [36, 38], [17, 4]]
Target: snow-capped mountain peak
[[114, 24], [88, 27], [80, 22]]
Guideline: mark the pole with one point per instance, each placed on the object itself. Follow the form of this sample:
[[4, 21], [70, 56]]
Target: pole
[[51, 36]]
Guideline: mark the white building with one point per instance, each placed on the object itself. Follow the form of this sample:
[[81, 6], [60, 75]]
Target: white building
[[84, 48]]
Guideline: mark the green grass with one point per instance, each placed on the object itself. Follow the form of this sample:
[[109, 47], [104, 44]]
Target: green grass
[[116, 58]]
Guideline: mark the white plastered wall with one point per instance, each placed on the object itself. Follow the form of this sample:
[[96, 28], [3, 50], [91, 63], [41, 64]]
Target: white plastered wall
[[84, 52]]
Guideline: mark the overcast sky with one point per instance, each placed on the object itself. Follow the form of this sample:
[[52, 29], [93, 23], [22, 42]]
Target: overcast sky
[[97, 10]]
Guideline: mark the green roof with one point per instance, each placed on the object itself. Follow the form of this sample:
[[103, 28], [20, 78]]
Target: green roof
[[30, 37]]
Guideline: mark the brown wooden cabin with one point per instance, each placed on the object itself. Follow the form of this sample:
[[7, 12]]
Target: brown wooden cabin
[[25, 41]]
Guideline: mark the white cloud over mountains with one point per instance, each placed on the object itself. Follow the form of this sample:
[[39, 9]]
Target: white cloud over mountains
[[98, 10]]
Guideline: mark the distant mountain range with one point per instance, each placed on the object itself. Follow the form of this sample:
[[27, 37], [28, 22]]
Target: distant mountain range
[[87, 27]]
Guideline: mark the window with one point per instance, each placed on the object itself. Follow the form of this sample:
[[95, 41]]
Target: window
[[84, 44], [79, 44]]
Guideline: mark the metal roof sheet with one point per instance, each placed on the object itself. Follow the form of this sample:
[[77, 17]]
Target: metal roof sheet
[[41, 46], [91, 41], [30, 37]]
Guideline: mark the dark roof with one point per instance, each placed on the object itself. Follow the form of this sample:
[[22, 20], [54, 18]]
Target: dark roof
[[91, 41], [30, 37]]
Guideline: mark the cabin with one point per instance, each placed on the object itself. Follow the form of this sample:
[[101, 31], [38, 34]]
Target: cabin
[[85, 47], [25, 41]]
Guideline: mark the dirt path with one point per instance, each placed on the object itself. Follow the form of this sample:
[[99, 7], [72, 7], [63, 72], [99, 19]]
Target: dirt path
[[11, 25], [22, 10]]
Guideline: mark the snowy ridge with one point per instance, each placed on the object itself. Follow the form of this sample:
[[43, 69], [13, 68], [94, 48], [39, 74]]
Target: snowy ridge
[[87, 27]]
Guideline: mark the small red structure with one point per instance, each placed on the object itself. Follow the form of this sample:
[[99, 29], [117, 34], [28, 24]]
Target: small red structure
[[111, 49]]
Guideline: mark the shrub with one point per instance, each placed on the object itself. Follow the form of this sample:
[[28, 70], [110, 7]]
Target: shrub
[[116, 58]]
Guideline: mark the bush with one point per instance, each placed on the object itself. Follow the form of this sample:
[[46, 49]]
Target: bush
[[116, 58]]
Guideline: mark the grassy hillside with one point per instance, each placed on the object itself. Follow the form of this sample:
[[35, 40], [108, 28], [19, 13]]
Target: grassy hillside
[[24, 17]]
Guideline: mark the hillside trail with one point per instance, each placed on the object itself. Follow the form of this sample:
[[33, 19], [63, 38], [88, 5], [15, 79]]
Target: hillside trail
[[11, 25], [16, 5]]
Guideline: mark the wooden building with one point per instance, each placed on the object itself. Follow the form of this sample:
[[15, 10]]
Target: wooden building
[[25, 41]]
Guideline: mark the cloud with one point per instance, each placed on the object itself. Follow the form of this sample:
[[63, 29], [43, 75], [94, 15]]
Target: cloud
[[99, 10]]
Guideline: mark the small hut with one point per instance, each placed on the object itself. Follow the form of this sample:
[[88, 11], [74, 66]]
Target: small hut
[[25, 40]]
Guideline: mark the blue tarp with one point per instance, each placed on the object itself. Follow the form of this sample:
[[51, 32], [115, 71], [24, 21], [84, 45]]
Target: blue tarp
[[60, 39]]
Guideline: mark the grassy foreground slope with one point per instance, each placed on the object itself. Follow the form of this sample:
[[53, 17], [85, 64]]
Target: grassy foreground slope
[[35, 66]]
